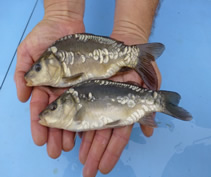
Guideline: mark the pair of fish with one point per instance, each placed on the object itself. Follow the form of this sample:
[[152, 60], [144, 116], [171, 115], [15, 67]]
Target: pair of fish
[[80, 60]]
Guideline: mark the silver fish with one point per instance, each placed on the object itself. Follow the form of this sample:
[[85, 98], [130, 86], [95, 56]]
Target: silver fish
[[101, 104], [79, 57]]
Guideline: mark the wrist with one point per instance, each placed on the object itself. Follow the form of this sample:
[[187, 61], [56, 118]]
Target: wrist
[[129, 36], [133, 19], [66, 11]]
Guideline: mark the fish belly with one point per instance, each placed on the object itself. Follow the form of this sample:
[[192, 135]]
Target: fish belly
[[104, 114], [91, 69]]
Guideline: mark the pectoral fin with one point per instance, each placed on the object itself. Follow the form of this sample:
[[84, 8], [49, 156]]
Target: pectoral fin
[[113, 123], [72, 78], [80, 114]]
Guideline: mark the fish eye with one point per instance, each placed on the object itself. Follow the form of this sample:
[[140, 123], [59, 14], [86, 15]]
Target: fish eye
[[53, 106], [37, 67]]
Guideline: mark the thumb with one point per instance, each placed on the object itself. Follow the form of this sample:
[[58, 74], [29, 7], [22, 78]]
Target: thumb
[[24, 63]]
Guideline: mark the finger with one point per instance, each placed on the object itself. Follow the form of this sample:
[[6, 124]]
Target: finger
[[85, 145], [68, 140], [38, 102], [80, 134], [118, 141], [54, 145], [147, 131], [126, 77], [23, 92], [24, 63], [157, 71], [96, 151], [135, 77]]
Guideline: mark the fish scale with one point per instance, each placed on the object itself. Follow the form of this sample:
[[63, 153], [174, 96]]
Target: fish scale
[[79, 57], [101, 104]]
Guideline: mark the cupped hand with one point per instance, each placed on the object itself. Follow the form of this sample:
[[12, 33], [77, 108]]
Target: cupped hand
[[37, 41], [100, 150]]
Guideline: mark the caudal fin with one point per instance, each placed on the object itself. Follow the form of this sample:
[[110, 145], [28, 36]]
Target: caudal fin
[[171, 101], [149, 52]]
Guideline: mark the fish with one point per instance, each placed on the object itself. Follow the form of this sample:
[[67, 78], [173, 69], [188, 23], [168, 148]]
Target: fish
[[101, 104], [79, 57]]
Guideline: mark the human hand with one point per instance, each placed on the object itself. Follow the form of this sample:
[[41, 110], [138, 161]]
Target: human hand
[[100, 150], [52, 27], [107, 144]]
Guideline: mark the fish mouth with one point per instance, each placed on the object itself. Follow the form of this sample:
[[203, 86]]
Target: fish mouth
[[28, 78], [29, 83], [43, 122]]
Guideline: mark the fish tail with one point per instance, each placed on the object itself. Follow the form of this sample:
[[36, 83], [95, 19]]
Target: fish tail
[[148, 52], [171, 101]]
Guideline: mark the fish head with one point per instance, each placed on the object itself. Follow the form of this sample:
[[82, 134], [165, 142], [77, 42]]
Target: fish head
[[46, 71], [60, 113]]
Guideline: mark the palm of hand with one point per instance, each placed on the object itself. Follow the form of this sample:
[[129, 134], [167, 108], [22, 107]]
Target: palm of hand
[[102, 149], [43, 35]]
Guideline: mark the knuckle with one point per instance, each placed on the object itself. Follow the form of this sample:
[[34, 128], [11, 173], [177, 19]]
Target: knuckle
[[94, 157], [114, 154], [102, 139], [122, 137], [88, 137]]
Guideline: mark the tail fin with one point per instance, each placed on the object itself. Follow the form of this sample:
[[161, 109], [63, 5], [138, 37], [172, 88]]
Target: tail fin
[[171, 101], [149, 52]]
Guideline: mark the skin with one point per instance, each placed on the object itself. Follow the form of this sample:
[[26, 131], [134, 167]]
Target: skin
[[100, 150]]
